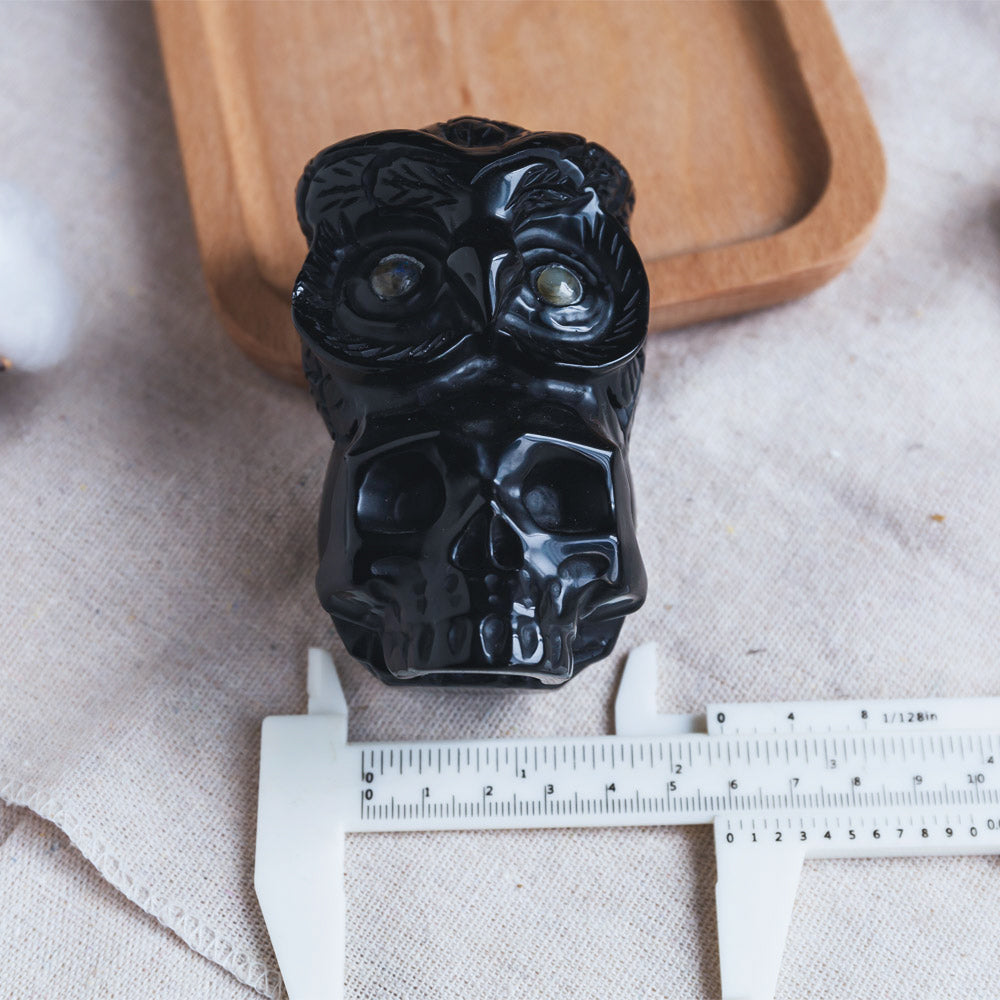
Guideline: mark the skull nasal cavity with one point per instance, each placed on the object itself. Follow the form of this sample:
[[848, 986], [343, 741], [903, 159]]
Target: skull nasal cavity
[[506, 550], [487, 542]]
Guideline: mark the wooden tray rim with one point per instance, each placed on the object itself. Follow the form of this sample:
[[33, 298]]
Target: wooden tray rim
[[770, 269]]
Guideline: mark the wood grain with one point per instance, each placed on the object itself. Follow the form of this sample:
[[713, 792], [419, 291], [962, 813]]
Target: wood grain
[[758, 169]]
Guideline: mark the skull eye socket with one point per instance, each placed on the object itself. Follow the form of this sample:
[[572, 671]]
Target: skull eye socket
[[569, 496], [400, 493]]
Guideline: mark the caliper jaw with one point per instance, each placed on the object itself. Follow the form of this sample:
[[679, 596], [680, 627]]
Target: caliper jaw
[[299, 867], [754, 889]]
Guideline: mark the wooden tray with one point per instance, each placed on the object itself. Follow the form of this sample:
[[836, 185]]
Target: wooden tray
[[758, 169]]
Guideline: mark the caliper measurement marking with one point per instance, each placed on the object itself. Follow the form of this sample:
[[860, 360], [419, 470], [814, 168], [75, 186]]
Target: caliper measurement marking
[[682, 780]]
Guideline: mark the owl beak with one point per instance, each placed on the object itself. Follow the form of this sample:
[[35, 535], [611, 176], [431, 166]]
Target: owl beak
[[479, 268]]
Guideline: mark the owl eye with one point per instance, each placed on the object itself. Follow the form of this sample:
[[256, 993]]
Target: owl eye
[[395, 275], [558, 286]]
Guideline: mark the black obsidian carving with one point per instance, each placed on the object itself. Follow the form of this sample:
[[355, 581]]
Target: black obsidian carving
[[473, 314]]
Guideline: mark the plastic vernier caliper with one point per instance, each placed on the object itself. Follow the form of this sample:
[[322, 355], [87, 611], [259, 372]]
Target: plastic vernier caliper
[[779, 782]]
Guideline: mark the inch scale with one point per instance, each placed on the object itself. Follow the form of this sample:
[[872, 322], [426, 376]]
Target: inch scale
[[778, 782]]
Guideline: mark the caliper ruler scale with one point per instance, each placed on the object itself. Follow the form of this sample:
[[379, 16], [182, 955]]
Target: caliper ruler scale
[[779, 782]]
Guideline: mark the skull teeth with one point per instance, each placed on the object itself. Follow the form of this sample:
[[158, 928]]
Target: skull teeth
[[493, 633], [459, 636], [527, 641]]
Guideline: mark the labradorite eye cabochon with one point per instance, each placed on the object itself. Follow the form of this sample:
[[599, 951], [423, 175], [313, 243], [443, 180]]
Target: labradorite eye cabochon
[[558, 285], [395, 275]]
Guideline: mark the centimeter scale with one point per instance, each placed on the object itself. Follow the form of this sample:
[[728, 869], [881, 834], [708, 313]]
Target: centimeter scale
[[779, 783]]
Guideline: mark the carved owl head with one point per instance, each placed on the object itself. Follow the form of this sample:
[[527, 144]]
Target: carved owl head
[[473, 314]]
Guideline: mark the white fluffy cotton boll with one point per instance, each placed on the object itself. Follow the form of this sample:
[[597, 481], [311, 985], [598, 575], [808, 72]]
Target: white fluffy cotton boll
[[37, 304]]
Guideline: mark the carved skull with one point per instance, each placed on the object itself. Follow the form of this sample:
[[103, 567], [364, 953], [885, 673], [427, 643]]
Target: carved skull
[[473, 315]]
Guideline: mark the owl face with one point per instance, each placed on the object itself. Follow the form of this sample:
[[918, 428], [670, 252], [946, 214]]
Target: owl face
[[434, 252], [473, 318]]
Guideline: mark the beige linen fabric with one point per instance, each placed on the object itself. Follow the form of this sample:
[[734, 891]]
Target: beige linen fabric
[[818, 488], [51, 894]]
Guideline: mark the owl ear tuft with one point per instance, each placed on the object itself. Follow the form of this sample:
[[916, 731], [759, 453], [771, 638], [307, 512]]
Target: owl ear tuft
[[332, 181], [610, 180]]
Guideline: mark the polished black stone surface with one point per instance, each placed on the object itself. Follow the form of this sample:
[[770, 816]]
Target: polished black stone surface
[[473, 314]]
